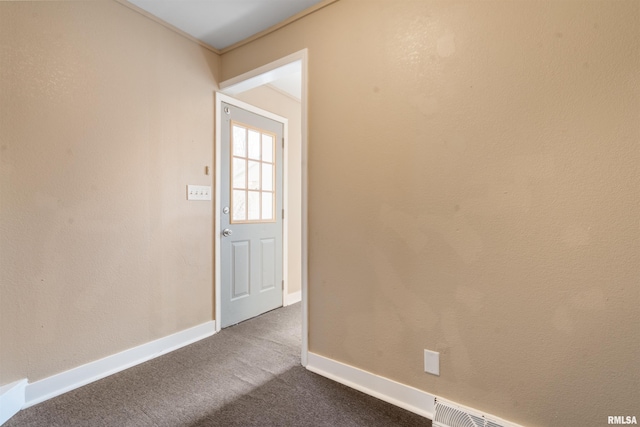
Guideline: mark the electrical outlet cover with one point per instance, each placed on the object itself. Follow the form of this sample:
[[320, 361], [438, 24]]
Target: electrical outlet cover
[[432, 362]]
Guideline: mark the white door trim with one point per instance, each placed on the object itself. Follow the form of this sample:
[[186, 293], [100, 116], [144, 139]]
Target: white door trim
[[241, 83], [220, 98]]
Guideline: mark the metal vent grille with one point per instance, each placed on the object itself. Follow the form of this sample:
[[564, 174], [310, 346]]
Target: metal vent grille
[[448, 414]]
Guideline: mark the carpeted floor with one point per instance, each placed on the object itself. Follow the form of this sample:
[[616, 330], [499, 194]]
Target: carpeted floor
[[246, 375]]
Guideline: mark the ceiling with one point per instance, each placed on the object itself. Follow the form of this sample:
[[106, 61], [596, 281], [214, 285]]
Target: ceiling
[[223, 23]]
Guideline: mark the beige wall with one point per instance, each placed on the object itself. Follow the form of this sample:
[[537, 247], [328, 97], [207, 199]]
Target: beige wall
[[474, 189], [273, 100], [105, 116]]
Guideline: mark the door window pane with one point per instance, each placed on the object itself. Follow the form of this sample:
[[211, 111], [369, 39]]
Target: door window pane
[[267, 148], [239, 205], [253, 205], [267, 177], [254, 144], [239, 173], [239, 141], [254, 175]]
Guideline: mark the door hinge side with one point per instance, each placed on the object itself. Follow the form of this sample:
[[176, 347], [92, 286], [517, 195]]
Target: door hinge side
[[282, 284], [282, 213], [283, 142]]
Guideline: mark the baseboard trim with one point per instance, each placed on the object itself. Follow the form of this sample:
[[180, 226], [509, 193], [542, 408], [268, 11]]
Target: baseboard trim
[[293, 298], [11, 399], [401, 395], [58, 384]]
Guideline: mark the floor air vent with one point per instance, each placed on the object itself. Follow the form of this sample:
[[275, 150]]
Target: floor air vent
[[448, 414]]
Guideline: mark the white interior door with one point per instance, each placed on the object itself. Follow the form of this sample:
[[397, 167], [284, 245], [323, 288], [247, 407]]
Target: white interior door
[[251, 214]]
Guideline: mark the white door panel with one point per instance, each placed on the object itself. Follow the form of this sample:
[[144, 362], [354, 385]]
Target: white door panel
[[251, 214]]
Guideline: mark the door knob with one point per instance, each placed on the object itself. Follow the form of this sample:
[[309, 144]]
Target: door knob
[[226, 232]]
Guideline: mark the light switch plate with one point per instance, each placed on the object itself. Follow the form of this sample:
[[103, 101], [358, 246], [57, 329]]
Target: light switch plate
[[432, 362], [198, 192]]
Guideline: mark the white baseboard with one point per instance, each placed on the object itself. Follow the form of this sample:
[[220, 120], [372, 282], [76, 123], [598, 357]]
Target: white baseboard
[[293, 298], [11, 399], [404, 396], [58, 384]]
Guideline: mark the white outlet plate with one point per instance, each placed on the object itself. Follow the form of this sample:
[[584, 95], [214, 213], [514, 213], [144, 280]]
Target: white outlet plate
[[198, 192], [432, 362]]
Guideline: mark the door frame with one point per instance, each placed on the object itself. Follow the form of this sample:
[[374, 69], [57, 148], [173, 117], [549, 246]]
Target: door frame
[[238, 84]]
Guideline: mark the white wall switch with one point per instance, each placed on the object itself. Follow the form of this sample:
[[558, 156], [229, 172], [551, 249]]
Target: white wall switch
[[432, 362], [198, 192]]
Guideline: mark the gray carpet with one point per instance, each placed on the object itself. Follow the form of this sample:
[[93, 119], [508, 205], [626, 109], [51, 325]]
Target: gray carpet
[[246, 375]]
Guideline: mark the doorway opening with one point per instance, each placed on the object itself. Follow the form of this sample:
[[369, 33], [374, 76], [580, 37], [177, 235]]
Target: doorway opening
[[286, 77]]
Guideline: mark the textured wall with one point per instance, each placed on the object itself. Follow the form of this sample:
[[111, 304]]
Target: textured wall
[[275, 101], [474, 189], [105, 116]]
